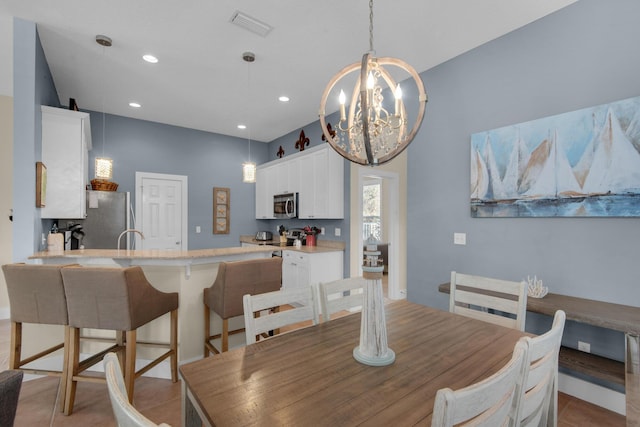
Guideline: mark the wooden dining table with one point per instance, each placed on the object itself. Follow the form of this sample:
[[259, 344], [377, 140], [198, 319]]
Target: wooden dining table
[[309, 376]]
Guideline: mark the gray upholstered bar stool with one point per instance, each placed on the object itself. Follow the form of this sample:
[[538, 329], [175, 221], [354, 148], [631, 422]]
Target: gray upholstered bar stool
[[36, 296], [224, 297], [119, 299]]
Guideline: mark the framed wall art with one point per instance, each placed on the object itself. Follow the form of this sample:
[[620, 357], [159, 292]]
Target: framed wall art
[[221, 204], [41, 185], [584, 163]]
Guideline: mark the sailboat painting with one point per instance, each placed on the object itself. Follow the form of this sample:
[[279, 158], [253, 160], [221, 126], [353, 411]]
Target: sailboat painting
[[584, 163]]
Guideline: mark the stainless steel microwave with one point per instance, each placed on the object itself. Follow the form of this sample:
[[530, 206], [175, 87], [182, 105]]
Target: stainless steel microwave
[[285, 205]]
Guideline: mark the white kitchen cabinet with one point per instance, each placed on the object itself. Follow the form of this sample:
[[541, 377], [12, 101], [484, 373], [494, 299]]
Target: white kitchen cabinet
[[66, 140], [317, 174], [295, 270], [322, 185], [300, 269], [293, 175], [264, 194], [286, 173]]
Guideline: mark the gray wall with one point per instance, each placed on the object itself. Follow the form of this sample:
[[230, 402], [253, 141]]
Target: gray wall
[[32, 86], [207, 159], [581, 56]]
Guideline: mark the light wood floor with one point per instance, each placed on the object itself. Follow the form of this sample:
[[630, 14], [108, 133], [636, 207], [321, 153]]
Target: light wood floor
[[160, 401]]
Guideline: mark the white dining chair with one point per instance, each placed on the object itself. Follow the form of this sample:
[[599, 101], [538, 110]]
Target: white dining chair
[[537, 401], [497, 301], [303, 307], [341, 295], [489, 402], [126, 415]]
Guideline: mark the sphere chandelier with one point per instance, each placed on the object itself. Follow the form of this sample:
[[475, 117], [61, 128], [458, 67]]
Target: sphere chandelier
[[375, 130]]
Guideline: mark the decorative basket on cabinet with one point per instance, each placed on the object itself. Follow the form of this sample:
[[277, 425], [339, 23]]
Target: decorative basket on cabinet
[[103, 185]]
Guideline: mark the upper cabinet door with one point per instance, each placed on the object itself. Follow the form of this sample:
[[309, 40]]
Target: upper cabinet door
[[286, 173], [322, 184], [66, 140], [265, 178]]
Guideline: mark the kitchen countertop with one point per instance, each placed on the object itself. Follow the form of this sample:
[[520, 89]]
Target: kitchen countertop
[[150, 254], [321, 245]]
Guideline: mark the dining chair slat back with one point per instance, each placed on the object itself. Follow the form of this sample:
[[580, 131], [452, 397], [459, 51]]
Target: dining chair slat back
[[341, 295], [125, 413], [303, 308], [497, 301], [489, 402], [537, 401]]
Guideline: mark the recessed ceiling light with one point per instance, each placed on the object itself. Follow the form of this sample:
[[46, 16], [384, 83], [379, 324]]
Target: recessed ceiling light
[[135, 105], [283, 98], [150, 58], [242, 126]]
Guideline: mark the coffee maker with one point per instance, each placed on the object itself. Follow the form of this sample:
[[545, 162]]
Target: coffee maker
[[73, 236]]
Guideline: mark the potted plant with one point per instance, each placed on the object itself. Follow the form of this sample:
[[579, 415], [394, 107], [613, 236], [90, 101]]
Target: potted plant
[[310, 233]]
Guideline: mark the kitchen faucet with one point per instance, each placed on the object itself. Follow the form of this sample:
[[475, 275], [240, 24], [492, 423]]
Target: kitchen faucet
[[129, 230]]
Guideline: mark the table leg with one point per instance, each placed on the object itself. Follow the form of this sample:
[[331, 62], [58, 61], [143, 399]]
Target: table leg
[[192, 415], [632, 379]]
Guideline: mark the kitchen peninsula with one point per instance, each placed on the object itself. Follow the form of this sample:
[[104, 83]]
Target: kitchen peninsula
[[185, 272]]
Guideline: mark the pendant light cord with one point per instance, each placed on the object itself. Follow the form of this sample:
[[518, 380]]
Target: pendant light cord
[[103, 113], [249, 106]]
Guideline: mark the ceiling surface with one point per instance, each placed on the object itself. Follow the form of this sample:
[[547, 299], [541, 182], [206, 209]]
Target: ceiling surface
[[201, 81]]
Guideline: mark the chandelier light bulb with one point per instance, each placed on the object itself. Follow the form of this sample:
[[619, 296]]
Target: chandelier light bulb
[[398, 92], [342, 98], [398, 96], [370, 81]]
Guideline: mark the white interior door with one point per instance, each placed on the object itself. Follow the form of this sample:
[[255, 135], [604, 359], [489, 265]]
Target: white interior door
[[161, 209]]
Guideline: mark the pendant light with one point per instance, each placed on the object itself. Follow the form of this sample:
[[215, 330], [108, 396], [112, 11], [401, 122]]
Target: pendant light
[[249, 167], [373, 132], [103, 165]]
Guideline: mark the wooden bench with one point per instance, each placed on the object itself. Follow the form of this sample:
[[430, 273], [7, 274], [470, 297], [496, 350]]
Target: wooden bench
[[607, 315]]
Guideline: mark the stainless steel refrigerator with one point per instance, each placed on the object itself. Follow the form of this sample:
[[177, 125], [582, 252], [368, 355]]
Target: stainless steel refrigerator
[[108, 215]]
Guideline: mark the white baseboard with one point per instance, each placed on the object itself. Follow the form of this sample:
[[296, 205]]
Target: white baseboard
[[5, 313], [592, 393]]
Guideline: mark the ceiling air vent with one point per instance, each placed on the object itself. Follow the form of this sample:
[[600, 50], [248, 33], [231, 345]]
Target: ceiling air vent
[[251, 24]]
